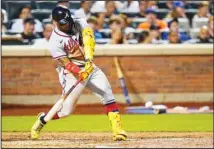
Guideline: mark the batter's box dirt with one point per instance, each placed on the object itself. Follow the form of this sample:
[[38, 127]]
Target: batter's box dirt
[[104, 140]]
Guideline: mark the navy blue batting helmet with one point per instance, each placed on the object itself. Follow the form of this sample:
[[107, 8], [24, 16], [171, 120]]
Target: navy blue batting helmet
[[62, 15]]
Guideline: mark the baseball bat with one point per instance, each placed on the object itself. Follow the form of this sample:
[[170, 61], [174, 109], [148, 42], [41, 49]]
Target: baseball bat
[[122, 81], [59, 103]]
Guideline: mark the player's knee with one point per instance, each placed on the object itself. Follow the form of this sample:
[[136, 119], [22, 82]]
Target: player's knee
[[108, 98]]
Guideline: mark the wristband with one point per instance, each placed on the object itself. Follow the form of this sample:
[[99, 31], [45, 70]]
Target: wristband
[[72, 68]]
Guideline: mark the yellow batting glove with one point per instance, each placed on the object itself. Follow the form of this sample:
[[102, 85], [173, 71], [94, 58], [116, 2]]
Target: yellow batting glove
[[88, 69], [84, 75]]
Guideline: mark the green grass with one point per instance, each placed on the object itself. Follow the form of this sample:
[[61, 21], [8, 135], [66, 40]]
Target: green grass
[[99, 123]]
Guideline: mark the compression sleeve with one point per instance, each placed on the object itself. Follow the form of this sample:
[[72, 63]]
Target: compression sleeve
[[88, 42], [88, 38]]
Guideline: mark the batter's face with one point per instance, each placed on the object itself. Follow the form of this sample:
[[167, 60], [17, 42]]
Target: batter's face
[[64, 28]]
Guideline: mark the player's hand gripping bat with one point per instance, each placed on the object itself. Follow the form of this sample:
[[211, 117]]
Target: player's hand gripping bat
[[122, 81]]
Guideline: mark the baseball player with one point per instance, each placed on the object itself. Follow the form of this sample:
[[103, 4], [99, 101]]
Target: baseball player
[[72, 46]]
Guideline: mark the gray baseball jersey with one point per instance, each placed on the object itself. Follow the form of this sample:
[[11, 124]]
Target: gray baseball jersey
[[97, 82]]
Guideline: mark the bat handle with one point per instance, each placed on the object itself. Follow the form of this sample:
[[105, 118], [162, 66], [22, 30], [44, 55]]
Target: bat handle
[[78, 81]]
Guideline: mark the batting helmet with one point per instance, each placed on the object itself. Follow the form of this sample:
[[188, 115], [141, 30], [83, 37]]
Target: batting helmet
[[62, 15]]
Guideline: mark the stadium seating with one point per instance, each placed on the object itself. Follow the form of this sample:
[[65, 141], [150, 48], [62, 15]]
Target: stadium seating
[[132, 41], [184, 23], [45, 4], [194, 32], [74, 4], [11, 40], [137, 33], [48, 20], [129, 15], [212, 7], [4, 5], [191, 5], [106, 33], [103, 41], [199, 22], [12, 7], [41, 10], [190, 14], [137, 21], [41, 14], [162, 5], [9, 24], [162, 13]]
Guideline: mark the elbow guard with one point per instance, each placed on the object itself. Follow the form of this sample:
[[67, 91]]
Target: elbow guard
[[88, 42]]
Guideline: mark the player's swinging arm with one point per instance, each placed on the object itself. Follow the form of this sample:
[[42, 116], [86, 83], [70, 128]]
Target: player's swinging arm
[[55, 108]]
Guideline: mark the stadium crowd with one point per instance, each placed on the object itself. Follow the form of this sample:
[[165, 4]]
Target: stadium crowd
[[113, 22]]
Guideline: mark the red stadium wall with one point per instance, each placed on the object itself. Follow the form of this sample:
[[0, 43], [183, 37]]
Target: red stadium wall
[[143, 74]]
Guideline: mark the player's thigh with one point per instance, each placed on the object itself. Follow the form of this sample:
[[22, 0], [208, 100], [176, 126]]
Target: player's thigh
[[100, 86], [68, 80]]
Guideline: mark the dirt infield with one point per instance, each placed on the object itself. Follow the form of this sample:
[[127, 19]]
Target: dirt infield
[[84, 109], [98, 140]]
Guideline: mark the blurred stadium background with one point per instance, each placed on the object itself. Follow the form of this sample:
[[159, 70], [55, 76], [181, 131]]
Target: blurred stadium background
[[164, 48], [114, 22]]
